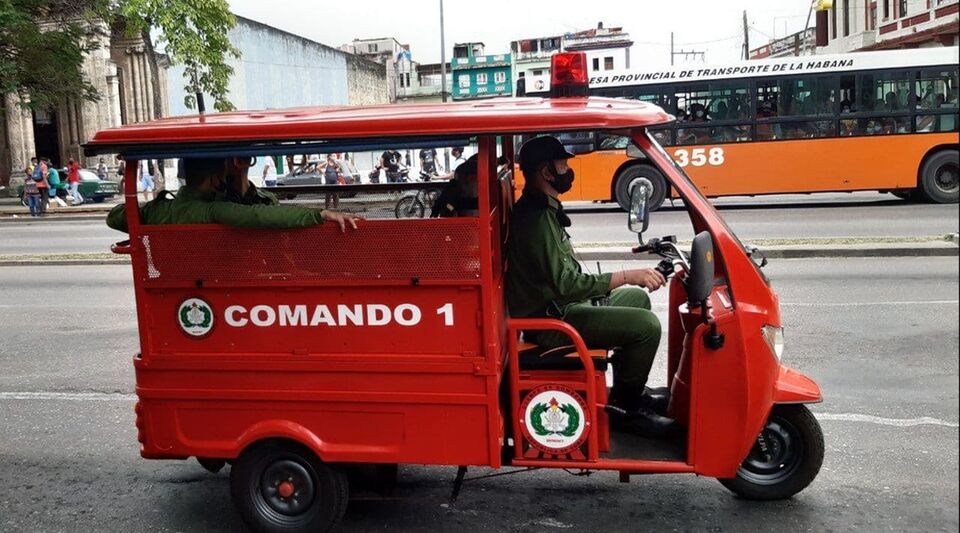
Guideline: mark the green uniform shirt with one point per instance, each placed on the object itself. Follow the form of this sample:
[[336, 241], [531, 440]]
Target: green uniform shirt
[[194, 207], [541, 268]]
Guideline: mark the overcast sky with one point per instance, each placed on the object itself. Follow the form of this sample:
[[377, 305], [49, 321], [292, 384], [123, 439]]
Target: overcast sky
[[713, 26]]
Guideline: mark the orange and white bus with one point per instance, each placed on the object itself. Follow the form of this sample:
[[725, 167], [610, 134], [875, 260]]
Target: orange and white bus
[[883, 121]]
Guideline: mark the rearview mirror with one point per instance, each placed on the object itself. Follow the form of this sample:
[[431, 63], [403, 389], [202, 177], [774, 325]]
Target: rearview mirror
[[638, 219]]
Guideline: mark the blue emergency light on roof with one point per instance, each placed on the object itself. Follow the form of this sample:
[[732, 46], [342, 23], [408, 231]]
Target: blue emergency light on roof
[[568, 74]]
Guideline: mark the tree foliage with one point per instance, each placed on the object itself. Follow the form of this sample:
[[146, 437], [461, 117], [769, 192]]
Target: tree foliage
[[43, 42], [41, 62], [192, 33]]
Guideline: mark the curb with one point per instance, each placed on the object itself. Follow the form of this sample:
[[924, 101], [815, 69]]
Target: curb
[[947, 250], [624, 254]]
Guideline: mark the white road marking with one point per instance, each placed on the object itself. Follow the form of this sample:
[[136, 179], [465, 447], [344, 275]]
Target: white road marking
[[129, 397], [895, 422], [70, 396], [870, 304]]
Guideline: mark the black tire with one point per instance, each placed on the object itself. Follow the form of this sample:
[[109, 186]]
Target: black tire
[[99, 199], [264, 472], [409, 207], [940, 177], [792, 458], [211, 465], [621, 189]]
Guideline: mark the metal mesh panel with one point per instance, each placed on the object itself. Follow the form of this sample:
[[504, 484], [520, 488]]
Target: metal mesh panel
[[428, 249]]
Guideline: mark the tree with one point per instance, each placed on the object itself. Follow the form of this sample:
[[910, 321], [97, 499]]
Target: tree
[[41, 62], [42, 44], [191, 32]]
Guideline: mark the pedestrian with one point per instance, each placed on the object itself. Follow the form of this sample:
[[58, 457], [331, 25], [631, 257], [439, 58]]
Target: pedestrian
[[269, 172], [146, 170], [31, 194], [73, 179], [40, 176], [331, 176], [102, 169], [53, 182]]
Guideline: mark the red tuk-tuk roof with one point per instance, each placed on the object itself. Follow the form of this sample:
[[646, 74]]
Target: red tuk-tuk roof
[[497, 116]]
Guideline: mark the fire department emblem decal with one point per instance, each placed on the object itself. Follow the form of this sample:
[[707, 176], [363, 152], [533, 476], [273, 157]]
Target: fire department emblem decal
[[554, 419], [195, 317]]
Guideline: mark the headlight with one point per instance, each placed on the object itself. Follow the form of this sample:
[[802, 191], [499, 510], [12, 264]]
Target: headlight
[[774, 338]]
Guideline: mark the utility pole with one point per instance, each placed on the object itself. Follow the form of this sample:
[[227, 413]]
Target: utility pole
[[443, 59], [746, 36], [685, 53]]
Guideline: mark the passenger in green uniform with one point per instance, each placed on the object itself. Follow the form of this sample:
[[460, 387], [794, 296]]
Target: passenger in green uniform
[[207, 199], [544, 279]]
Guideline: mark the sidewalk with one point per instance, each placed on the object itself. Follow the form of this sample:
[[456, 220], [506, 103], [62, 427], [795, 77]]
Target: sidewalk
[[11, 209]]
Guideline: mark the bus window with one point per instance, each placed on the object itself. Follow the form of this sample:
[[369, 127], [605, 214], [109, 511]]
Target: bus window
[[810, 129], [712, 101], [885, 91], [934, 89]]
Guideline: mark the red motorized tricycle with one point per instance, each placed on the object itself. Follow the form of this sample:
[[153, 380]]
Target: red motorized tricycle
[[290, 354]]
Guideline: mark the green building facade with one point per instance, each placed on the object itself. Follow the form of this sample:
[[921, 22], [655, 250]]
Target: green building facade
[[478, 75]]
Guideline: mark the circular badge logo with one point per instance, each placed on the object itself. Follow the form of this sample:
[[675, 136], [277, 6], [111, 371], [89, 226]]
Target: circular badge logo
[[554, 419], [539, 85], [195, 317]]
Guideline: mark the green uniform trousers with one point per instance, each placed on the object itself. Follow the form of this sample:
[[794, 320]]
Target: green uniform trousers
[[626, 325]]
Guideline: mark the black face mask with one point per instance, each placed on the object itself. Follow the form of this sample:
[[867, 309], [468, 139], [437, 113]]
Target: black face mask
[[561, 182]]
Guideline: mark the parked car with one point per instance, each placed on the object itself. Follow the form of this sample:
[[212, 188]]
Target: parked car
[[92, 188], [311, 178]]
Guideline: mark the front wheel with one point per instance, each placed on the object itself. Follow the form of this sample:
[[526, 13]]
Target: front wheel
[[283, 487], [409, 207], [786, 457], [633, 174]]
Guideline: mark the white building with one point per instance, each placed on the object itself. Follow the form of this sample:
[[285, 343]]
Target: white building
[[531, 57], [386, 51], [851, 25], [606, 48]]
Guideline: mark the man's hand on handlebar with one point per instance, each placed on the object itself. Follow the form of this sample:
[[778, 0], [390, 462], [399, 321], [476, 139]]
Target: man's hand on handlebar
[[647, 278]]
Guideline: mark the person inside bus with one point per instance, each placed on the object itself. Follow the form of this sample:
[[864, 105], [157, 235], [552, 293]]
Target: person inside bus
[[544, 279], [892, 102], [204, 200]]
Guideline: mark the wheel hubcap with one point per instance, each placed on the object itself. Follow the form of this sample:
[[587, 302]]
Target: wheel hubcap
[[948, 178], [287, 487], [775, 455]]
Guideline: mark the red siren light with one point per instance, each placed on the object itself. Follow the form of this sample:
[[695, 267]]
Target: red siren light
[[568, 74]]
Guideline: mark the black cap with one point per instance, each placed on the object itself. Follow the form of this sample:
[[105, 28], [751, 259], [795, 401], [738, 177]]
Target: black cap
[[541, 149]]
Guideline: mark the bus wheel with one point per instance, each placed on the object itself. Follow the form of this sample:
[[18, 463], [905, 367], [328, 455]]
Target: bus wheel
[[282, 486], [784, 460], [940, 177], [630, 175]]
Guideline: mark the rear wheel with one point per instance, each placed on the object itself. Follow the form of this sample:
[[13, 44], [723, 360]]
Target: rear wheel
[[409, 207], [283, 486], [940, 177], [629, 176], [784, 460]]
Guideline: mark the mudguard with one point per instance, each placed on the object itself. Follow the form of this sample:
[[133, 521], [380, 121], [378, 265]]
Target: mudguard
[[794, 387]]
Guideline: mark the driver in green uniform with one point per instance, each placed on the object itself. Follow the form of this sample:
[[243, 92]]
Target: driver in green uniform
[[544, 279], [214, 194]]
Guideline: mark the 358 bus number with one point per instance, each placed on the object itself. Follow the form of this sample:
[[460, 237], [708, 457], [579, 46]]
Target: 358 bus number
[[699, 157]]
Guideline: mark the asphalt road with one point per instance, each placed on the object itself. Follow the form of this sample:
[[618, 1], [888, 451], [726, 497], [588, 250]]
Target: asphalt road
[[776, 217], [880, 336]]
